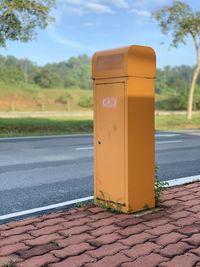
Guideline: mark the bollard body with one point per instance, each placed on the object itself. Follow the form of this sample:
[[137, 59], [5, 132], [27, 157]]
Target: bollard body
[[124, 127]]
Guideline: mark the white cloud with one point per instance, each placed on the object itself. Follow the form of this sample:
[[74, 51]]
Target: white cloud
[[73, 10], [108, 6], [73, 2], [117, 3], [69, 43], [55, 36], [90, 24], [67, 7], [120, 3], [92, 6], [97, 8], [142, 3], [143, 13]]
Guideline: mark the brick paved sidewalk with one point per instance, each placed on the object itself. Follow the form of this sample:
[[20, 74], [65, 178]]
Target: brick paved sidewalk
[[92, 237]]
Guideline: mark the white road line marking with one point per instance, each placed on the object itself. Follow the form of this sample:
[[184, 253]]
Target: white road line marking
[[184, 180], [158, 142], [179, 181], [62, 204], [166, 135], [44, 137], [85, 148], [169, 142], [66, 135]]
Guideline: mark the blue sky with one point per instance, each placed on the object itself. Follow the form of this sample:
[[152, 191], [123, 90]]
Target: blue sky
[[86, 26]]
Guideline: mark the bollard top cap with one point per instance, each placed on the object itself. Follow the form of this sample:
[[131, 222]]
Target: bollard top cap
[[131, 61]]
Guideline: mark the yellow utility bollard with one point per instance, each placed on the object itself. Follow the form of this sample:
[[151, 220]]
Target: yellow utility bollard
[[124, 82]]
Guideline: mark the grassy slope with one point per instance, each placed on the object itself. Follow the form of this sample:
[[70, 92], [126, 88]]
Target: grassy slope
[[35, 99]]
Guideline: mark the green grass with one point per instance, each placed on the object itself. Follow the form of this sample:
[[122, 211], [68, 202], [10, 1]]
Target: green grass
[[176, 122], [45, 126], [79, 125]]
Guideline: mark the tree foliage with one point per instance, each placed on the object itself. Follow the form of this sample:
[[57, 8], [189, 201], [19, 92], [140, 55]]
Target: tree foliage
[[46, 78], [172, 88], [20, 18], [181, 21], [173, 80], [171, 84], [76, 72]]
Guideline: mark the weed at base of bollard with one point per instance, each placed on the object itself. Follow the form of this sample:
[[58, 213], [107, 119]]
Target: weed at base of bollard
[[84, 204], [8, 263], [159, 187]]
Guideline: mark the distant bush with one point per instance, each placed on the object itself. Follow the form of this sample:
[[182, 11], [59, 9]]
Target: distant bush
[[179, 101], [197, 99], [65, 100], [175, 102], [86, 102]]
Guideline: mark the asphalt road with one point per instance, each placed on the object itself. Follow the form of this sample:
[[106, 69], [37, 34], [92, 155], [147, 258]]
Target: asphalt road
[[36, 172]]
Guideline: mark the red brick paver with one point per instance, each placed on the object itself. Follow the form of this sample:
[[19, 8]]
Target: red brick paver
[[72, 250], [194, 239], [41, 240], [91, 237], [111, 261], [74, 239], [175, 249], [141, 250], [104, 239], [74, 261], [170, 238], [11, 249], [151, 260], [38, 261], [187, 260], [106, 250]]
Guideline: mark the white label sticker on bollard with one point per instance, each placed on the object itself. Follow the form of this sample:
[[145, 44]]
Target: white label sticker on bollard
[[109, 102]]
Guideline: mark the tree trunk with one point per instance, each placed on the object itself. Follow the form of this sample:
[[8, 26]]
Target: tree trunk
[[191, 91], [194, 77]]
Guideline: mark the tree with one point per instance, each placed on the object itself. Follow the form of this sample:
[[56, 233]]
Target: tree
[[20, 18], [65, 100], [47, 79], [182, 21]]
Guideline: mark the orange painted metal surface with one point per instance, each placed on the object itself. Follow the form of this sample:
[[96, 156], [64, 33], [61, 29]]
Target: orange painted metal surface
[[124, 127]]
